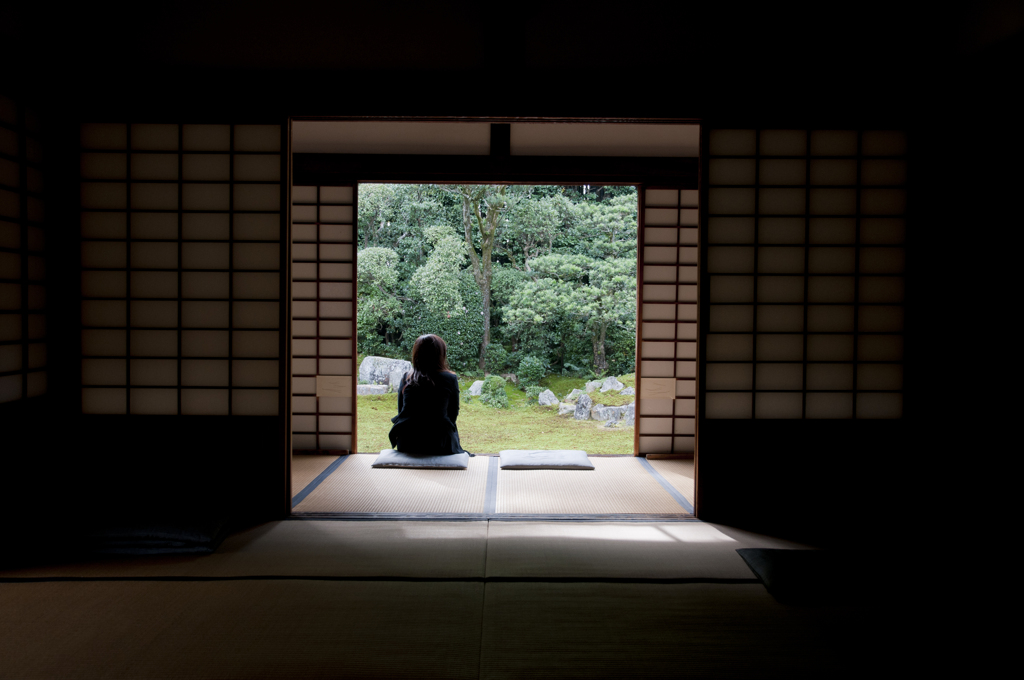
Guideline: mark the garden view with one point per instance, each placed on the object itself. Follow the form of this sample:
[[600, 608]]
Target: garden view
[[534, 290]]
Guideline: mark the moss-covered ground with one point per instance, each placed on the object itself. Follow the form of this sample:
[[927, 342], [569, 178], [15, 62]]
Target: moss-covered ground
[[488, 430]]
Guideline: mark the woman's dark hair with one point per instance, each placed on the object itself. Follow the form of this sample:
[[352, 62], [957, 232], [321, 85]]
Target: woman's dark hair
[[429, 357]]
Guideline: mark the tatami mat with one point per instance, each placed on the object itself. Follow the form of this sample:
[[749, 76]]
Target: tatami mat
[[305, 468], [307, 549], [240, 629], [356, 487], [616, 485], [678, 473], [615, 630], [612, 550]]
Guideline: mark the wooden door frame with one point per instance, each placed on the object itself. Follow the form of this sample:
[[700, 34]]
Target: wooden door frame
[[500, 167]]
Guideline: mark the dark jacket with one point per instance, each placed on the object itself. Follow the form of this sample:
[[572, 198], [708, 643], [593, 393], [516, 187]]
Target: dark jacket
[[426, 416]]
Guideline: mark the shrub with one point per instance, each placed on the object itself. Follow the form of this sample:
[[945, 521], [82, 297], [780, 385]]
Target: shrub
[[493, 392], [466, 397], [532, 393], [496, 358], [531, 371]]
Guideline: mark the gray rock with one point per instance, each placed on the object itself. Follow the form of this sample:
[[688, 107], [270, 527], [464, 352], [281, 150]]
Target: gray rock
[[547, 398], [593, 385], [395, 377], [573, 396], [613, 413], [379, 370], [582, 410], [628, 390], [476, 388], [566, 409], [629, 415], [611, 383], [371, 389]]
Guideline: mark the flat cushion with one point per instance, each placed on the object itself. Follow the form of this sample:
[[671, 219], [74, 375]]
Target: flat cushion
[[555, 459], [392, 458]]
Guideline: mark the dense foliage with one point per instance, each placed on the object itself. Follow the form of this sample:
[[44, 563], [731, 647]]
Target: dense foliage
[[541, 278]]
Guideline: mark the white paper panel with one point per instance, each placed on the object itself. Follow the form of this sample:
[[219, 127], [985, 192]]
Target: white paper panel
[[206, 137], [254, 402], [729, 405], [835, 405], [206, 197], [732, 142], [204, 372], [661, 197], [103, 400], [336, 442], [336, 195], [258, 168], [149, 401], [258, 138], [204, 402], [879, 405], [104, 136], [778, 405]]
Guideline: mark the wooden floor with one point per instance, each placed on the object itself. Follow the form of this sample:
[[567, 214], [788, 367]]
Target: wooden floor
[[620, 487]]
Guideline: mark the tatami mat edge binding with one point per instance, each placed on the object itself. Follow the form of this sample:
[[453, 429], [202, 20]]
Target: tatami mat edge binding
[[386, 516], [317, 481]]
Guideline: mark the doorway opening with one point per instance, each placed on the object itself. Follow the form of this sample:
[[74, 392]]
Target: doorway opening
[[381, 255], [532, 287]]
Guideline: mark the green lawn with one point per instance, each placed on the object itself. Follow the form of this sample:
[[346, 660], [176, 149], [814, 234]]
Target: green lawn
[[488, 430]]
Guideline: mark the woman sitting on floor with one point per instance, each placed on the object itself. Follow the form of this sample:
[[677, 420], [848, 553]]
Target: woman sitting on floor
[[428, 403]]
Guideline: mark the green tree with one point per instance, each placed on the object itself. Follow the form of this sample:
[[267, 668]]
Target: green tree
[[379, 304], [437, 281], [596, 293]]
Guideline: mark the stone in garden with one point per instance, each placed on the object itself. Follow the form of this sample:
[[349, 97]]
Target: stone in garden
[[371, 389], [396, 378], [602, 412], [582, 410], [547, 398], [476, 388], [378, 370], [594, 408], [566, 409], [572, 396], [593, 385], [611, 383], [629, 415], [628, 390]]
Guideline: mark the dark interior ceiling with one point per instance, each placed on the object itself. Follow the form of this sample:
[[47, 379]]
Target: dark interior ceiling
[[678, 59]]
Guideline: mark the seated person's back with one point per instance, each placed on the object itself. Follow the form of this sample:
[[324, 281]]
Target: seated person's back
[[428, 403]]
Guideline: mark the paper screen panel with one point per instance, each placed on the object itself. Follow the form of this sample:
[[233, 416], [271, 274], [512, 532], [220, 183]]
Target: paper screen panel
[[181, 269], [668, 320], [805, 263], [23, 373], [323, 318]]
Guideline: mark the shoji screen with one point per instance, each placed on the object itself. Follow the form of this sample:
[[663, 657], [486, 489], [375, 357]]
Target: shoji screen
[[181, 267], [668, 322], [22, 267], [323, 318], [805, 260]]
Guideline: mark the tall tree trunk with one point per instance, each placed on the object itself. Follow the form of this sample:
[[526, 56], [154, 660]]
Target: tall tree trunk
[[600, 360], [487, 225]]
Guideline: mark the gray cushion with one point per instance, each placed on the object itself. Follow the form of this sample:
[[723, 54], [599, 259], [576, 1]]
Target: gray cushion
[[520, 459], [392, 458]]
